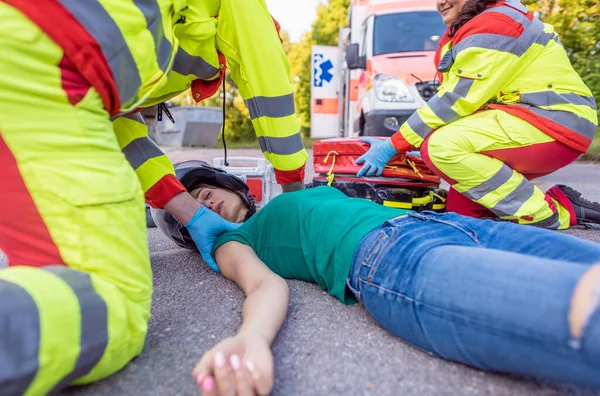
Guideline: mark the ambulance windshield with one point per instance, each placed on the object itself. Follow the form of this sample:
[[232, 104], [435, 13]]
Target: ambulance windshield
[[407, 32]]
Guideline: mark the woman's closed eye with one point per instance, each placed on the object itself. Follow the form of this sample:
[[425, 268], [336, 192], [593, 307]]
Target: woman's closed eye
[[200, 194], [204, 194]]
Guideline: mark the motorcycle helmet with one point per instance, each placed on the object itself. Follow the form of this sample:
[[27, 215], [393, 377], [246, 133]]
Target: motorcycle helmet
[[192, 174]]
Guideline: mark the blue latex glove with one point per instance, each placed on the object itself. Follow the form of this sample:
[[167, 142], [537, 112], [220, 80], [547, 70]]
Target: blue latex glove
[[204, 228], [380, 153]]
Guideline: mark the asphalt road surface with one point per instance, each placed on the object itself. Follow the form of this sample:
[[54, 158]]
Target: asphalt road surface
[[324, 348]]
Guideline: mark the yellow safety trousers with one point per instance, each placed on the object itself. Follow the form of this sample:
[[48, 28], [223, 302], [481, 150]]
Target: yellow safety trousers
[[456, 150], [83, 321]]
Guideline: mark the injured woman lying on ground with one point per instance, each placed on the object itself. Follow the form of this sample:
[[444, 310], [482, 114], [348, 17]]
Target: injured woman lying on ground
[[490, 294]]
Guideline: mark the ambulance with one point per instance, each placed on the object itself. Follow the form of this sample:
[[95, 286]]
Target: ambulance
[[381, 71]]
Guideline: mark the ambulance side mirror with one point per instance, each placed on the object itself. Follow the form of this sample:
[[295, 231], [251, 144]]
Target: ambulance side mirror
[[353, 59]]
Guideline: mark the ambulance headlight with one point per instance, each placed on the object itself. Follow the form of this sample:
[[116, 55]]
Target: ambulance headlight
[[391, 89]]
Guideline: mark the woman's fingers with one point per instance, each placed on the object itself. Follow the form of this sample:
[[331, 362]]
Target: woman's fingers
[[242, 377], [208, 387], [262, 384], [224, 377], [203, 368]]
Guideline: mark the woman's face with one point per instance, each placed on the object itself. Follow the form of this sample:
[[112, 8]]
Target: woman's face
[[225, 203], [449, 9]]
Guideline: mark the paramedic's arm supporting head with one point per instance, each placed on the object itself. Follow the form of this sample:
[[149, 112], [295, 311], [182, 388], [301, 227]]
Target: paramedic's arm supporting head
[[245, 362], [183, 207], [161, 187], [207, 211]]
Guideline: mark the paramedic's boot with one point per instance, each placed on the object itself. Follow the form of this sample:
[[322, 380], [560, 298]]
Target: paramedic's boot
[[585, 211]]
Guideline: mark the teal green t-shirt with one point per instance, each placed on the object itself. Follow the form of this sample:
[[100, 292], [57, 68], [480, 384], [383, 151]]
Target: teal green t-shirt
[[311, 235]]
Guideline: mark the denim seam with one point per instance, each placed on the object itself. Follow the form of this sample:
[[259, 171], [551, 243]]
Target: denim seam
[[383, 246], [466, 230], [435, 310]]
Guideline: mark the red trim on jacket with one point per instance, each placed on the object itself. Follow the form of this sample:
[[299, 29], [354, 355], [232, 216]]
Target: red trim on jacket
[[438, 54], [554, 130], [163, 191], [278, 28], [288, 177], [81, 48], [202, 89], [73, 83], [24, 236], [489, 23], [400, 144]]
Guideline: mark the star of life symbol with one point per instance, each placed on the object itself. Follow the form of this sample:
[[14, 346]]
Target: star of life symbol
[[321, 68]]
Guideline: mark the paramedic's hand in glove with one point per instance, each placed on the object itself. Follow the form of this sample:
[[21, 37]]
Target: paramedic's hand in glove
[[204, 228], [377, 157], [240, 365]]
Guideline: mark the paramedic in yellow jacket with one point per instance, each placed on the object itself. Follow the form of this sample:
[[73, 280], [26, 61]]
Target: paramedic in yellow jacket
[[510, 109], [75, 299]]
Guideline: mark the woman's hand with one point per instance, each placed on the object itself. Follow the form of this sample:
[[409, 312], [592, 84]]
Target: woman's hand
[[237, 366]]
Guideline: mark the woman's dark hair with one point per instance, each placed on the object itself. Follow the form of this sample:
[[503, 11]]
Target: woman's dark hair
[[471, 9]]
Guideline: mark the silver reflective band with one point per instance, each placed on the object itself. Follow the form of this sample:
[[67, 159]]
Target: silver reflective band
[[186, 64], [463, 86], [101, 26], [281, 145], [492, 184], [153, 16], [442, 106], [416, 123], [94, 322], [571, 121], [140, 150], [550, 98], [512, 13], [19, 339], [516, 4], [499, 42], [510, 205], [271, 106], [551, 223]]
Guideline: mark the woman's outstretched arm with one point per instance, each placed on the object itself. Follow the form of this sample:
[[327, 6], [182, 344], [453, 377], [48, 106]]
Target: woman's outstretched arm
[[244, 363]]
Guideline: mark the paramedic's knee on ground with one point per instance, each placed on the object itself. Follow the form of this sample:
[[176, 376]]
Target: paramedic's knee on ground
[[585, 301]]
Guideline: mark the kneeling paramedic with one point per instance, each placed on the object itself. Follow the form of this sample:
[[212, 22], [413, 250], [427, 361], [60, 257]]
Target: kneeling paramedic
[[510, 109], [76, 163]]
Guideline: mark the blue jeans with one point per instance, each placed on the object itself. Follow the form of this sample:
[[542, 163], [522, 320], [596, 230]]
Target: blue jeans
[[493, 295]]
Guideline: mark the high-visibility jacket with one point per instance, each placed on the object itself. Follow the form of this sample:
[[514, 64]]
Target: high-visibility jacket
[[141, 52], [505, 58]]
